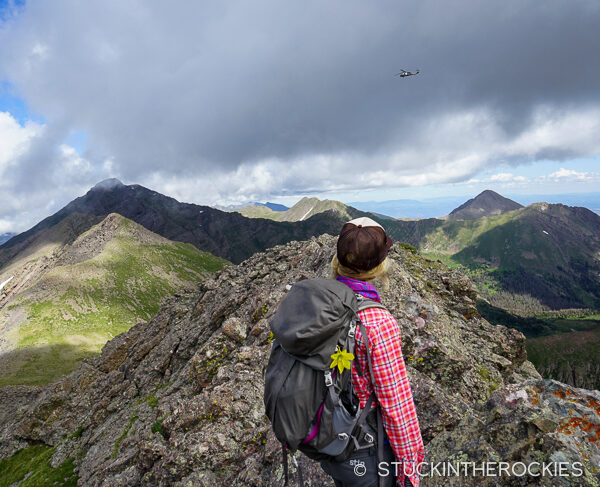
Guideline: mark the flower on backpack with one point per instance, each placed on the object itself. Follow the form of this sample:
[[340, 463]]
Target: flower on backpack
[[342, 360]]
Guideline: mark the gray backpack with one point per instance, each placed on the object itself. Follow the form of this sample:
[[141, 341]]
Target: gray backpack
[[311, 406]]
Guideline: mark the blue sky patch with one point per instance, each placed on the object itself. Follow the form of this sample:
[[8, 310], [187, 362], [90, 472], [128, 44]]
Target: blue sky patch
[[16, 106], [7, 5], [77, 140]]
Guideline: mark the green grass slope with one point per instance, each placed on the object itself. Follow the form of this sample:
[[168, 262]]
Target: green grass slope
[[111, 276], [253, 211], [549, 252], [30, 467]]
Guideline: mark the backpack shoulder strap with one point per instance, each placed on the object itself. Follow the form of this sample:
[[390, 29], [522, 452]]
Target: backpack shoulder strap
[[366, 303]]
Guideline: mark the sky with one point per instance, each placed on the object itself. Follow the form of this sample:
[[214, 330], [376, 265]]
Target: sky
[[235, 101]]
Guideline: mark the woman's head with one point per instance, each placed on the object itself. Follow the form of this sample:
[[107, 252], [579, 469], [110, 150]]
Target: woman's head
[[362, 250]]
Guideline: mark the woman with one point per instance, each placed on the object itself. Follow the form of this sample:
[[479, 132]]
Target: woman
[[361, 257]]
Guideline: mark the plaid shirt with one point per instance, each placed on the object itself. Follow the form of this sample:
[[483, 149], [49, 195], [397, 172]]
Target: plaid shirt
[[392, 387]]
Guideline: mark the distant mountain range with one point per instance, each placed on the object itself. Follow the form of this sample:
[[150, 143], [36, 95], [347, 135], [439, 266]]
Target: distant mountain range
[[524, 260], [547, 253], [437, 207], [273, 206], [81, 282], [270, 206], [303, 210], [5, 237], [225, 234]]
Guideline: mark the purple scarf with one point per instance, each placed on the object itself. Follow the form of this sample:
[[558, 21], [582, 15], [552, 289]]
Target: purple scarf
[[361, 287]]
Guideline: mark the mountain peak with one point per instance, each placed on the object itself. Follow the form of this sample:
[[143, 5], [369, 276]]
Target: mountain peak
[[488, 193], [310, 206], [486, 203], [108, 184]]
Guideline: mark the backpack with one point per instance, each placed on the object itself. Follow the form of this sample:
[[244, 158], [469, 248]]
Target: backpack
[[311, 406]]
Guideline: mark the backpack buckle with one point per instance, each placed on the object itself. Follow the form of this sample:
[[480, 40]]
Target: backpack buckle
[[369, 438], [352, 331], [343, 436], [328, 379]]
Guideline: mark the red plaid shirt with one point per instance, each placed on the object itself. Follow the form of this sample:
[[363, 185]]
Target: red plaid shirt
[[392, 389]]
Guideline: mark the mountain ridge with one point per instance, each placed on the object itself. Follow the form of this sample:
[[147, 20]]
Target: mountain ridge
[[532, 250], [178, 400], [74, 291], [466, 242], [226, 234]]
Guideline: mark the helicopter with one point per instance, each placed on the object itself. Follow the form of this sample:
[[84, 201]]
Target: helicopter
[[403, 73]]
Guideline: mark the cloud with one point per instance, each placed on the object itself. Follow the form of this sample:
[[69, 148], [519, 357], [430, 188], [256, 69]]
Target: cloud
[[446, 159], [14, 141], [548, 181], [218, 102], [25, 199], [570, 175], [506, 178]]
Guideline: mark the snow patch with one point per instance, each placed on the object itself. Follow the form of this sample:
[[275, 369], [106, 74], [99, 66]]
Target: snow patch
[[545, 232], [305, 214], [6, 282]]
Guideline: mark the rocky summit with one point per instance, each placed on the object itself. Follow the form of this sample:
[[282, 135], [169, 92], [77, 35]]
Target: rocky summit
[[487, 203], [178, 401]]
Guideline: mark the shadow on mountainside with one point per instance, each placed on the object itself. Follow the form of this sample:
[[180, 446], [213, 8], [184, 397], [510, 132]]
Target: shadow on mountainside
[[556, 267]]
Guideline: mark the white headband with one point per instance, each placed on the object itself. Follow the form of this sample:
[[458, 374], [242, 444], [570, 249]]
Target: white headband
[[364, 221]]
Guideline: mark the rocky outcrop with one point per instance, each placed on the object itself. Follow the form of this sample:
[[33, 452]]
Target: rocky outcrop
[[538, 428], [178, 401]]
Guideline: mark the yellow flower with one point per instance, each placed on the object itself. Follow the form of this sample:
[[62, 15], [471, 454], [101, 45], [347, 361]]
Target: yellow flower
[[342, 359]]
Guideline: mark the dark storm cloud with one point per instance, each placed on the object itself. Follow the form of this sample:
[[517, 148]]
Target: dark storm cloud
[[190, 89]]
